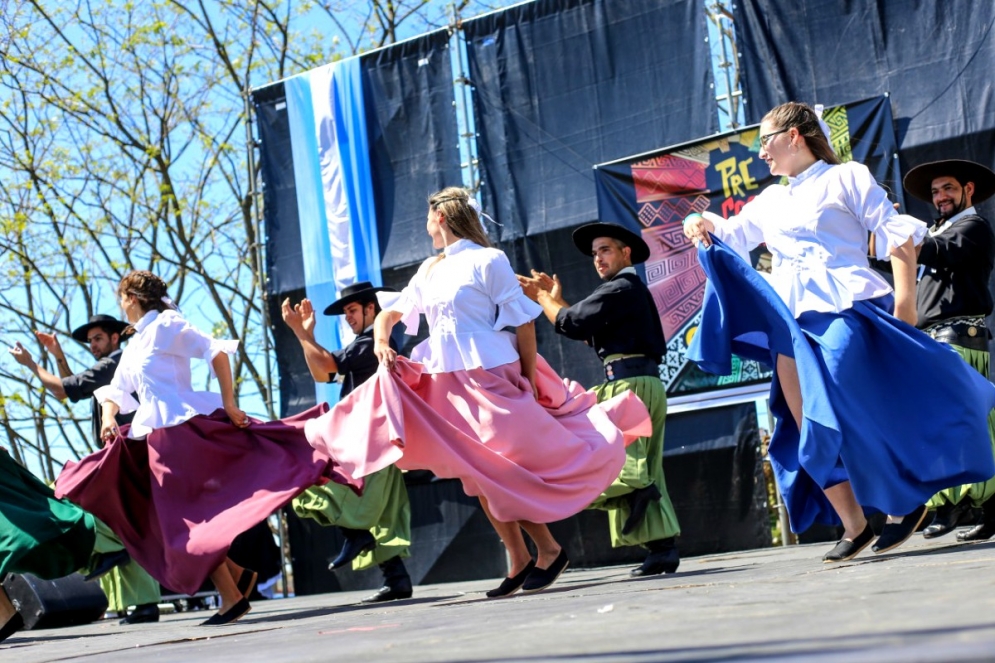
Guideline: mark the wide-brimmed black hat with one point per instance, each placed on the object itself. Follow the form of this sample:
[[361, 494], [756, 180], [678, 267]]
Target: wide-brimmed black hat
[[108, 323], [587, 233], [919, 180], [357, 292]]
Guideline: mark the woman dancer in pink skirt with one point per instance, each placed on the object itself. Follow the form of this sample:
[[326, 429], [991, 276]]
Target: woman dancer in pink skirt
[[191, 473], [478, 403]]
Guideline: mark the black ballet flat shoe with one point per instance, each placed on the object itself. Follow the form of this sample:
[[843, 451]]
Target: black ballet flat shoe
[[540, 579], [662, 558], [512, 584], [247, 582], [235, 613], [947, 518], [895, 534], [639, 501], [13, 625], [146, 613], [846, 550], [357, 542], [107, 562]]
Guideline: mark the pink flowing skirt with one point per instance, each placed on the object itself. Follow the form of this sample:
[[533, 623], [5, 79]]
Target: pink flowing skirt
[[178, 498], [539, 461]]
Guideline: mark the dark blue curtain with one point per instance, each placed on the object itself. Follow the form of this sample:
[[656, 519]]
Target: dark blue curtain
[[935, 59], [561, 85]]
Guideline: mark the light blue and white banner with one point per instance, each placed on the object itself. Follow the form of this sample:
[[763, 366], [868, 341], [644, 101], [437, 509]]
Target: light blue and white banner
[[334, 184]]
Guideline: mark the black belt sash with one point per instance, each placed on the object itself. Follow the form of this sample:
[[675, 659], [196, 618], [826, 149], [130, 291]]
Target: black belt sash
[[967, 333], [631, 367]]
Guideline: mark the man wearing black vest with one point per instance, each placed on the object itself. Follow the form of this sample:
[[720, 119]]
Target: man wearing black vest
[[956, 260], [376, 526], [621, 322]]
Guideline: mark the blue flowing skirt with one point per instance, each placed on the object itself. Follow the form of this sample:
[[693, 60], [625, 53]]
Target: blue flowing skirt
[[884, 406]]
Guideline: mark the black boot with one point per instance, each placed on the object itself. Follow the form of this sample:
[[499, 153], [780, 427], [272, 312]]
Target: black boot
[[357, 542], [639, 500], [396, 582], [985, 529], [947, 518], [662, 558]]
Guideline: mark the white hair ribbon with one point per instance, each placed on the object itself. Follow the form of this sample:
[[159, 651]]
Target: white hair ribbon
[[818, 108], [475, 206], [169, 303]]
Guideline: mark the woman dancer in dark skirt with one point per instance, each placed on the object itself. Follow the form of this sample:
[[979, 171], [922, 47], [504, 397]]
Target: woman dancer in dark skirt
[[39, 534], [193, 471], [870, 411]]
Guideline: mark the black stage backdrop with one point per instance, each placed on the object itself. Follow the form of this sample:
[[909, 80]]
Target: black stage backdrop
[[934, 59], [561, 85]]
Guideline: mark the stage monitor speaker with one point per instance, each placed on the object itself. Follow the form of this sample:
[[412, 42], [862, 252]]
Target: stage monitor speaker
[[68, 601]]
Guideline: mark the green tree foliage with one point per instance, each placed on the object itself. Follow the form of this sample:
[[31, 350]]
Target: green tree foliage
[[123, 145]]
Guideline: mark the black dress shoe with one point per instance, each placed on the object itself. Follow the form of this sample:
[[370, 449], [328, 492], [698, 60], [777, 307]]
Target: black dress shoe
[[107, 562], [662, 558], [981, 532], [13, 625], [540, 579], [357, 542], [846, 550], [235, 613], [947, 518], [512, 584], [142, 614], [895, 534], [247, 582], [391, 592], [396, 583], [639, 500]]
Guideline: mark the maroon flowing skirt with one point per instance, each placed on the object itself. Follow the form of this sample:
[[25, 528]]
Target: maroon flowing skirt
[[178, 498]]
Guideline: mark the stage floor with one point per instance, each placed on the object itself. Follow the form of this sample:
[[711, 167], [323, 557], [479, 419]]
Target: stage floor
[[928, 601]]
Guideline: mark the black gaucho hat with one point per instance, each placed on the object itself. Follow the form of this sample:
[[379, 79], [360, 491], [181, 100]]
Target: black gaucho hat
[[919, 180], [357, 292], [108, 323], [587, 233]]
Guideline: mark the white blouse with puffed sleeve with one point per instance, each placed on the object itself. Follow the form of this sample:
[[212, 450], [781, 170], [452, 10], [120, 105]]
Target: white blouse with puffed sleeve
[[816, 229], [468, 298], [155, 365]]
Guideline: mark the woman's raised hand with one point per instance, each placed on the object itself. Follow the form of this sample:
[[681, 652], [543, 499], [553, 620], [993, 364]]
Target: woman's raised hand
[[697, 227]]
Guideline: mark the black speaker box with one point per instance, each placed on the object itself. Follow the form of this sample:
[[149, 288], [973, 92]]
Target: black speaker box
[[68, 601]]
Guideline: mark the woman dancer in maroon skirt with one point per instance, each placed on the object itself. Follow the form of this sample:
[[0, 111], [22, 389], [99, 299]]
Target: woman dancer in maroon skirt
[[193, 471]]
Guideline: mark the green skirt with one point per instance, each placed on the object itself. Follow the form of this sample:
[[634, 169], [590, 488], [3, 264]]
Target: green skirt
[[39, 534]]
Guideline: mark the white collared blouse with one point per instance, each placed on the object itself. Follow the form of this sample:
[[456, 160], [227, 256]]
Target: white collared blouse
[[816, 229], [155, 365], [468, 298]]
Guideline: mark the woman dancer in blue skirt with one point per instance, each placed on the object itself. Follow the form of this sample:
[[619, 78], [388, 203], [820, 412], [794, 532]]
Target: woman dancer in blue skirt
[[870, 411]]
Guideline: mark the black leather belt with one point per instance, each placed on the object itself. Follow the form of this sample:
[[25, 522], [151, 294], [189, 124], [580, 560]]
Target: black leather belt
[[971, 334], [631, 367]]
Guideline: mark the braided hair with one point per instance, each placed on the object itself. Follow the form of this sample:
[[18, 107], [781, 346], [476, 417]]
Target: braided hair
[[146, 287]]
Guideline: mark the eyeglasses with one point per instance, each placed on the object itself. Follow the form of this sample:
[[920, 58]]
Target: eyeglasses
[[766, 137]]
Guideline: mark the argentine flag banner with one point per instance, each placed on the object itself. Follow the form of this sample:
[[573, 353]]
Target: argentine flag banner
[[338, 225]]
